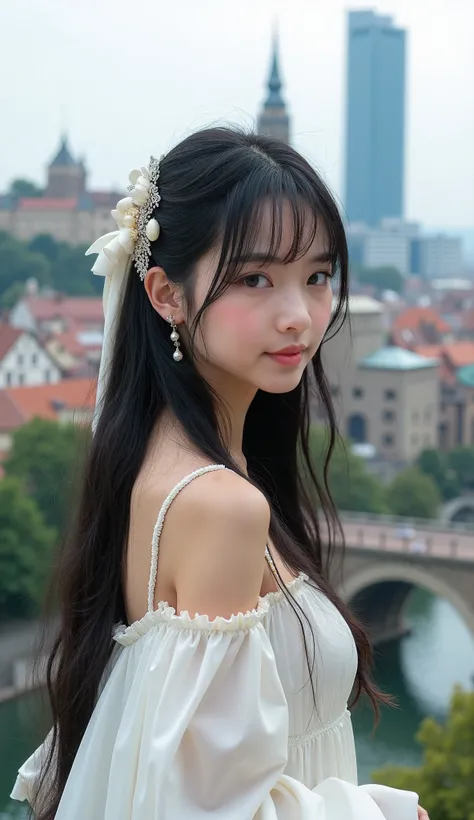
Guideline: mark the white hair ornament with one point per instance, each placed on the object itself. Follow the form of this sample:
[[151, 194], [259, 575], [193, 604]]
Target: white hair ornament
[[117, 250]]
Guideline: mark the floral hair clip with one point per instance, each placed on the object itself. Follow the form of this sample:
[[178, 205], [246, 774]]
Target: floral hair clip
[[145, 198], [136, 228]]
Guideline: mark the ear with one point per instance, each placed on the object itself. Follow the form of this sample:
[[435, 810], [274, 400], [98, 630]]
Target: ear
[[165, 297]]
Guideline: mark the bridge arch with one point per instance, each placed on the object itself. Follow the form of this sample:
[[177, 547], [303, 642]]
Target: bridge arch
[[404, 576], [458, 510]]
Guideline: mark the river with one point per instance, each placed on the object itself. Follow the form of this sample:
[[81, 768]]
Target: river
[[420, 671]]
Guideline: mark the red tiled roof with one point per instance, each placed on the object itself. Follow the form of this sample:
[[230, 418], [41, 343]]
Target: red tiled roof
[[80, 309], [43, 203], [20, 404], [11, 416], [413, 317], [72, 343], [8, 337], [454, 354], [459, 353]]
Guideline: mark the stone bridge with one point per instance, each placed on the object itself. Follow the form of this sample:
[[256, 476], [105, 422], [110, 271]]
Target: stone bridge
[[383, 564]]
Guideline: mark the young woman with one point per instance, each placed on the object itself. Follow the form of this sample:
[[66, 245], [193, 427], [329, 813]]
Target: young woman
[[226, 693]]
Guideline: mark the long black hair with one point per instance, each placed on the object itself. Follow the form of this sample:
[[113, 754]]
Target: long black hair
[[213, 186]]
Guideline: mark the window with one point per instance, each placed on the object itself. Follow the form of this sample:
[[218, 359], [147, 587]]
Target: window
[[357, 392], [415, 417], [34, 359], [21, 378], [390, 395], [8, 377], [388, 415], [47, 376], [335, 390], [388, 440], [20, 359]]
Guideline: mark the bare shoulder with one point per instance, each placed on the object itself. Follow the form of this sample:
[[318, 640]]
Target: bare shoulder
[[224, 496], [217, 530]]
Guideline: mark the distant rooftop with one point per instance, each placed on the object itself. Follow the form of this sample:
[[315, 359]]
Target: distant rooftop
[[414, 317], [397, 358], [21, 404], [47, 203], [63, 158]]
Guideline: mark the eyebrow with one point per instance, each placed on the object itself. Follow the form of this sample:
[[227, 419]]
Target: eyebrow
[[262, 257]]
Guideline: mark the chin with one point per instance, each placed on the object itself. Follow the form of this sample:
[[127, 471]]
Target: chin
[[285, 384]]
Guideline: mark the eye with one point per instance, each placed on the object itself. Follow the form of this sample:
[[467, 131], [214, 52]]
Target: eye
[[324, 274], [255, 280]]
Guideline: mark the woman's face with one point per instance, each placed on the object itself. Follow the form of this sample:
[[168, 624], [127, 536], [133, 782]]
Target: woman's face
[[268, 309]]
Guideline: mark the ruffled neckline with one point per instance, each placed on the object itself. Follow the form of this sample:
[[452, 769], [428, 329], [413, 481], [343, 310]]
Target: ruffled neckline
[[239, 622]]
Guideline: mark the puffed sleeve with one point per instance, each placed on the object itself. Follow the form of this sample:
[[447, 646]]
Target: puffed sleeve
[[194, 724]]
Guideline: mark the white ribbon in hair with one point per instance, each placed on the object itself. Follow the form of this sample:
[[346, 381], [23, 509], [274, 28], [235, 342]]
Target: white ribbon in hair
[[115, 252], [114, 263]]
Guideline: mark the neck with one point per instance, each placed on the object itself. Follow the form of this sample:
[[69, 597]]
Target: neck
[[235, 400], [231, 412]]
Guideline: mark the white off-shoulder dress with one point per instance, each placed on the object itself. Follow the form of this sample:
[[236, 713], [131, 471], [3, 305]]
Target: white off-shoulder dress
[[201, 719]]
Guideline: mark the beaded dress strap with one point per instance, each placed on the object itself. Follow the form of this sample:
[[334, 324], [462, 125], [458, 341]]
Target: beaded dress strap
[[159, 526], [271, 563], [160, 521]]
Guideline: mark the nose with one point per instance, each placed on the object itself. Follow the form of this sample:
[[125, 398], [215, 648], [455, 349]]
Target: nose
[[293, 314]]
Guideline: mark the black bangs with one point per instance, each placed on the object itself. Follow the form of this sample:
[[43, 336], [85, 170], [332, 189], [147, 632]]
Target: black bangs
[[262, 197]]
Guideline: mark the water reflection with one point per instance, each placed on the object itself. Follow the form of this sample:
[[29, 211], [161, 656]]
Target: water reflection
[[420, 671]]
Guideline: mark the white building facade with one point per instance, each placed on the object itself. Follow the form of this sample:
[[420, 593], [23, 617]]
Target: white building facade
[[26, 363]]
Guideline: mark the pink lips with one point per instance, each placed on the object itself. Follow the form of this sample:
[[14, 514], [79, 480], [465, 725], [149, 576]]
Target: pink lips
[[291, 355]]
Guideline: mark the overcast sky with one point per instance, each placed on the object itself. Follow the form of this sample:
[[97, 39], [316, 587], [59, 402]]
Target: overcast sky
[[127, 79]]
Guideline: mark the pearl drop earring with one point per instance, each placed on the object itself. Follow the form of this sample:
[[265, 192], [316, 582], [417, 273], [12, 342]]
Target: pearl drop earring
[[174, 336]]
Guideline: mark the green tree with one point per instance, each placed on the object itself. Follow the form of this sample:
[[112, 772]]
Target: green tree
[[352, 487], [70, 268], [45, 244], [24, 188], [12, 294], [54, 264], [435, 464], [47, 457], [71, 272], [17, 264], [413, 494], [445, 780], [461, 461], [26, 545], [383, 278]]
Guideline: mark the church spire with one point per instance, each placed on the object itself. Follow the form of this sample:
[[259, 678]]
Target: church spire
[[274, 99], [274, 120]]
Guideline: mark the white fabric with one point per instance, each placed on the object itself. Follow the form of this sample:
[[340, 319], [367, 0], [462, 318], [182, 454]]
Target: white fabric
[[116, 277], [214, 719]]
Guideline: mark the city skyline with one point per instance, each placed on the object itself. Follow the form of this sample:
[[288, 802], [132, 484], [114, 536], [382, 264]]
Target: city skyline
[[129, 97]]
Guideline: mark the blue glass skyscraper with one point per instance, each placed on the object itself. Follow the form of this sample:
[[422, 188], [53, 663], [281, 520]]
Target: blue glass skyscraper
[[375, 126]]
